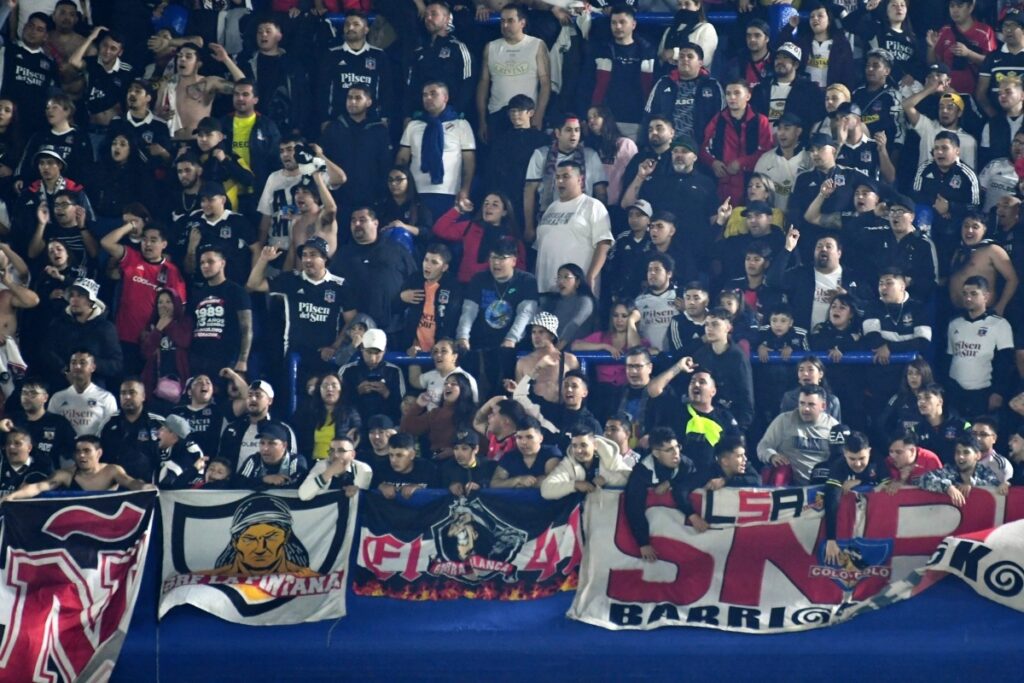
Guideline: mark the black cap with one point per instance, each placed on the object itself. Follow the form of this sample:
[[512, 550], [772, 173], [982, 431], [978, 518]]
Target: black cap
[[940, 67], [1014, 16], [758, 206], [866, 181], [665, 216], [790, 119], [207, 125], [846, 108], [379, 422], [686, 141], [466, 438], [896, 199], [210, 188], [820, 140], [318, 243], [274, 430]]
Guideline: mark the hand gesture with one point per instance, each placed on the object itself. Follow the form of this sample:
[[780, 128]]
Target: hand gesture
[[412, 296], [43, 213], [827, 188], [792, 238], [269, 253], [960, 50], [646, 168], [880, 139], [955, 496], [464, 204], [724, 212], [932, 38], [218, 52], [872, 5]]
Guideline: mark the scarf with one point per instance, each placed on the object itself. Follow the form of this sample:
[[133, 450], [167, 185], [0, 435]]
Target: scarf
[[963, 253], [432, 157], [698, 424], [547, 183]]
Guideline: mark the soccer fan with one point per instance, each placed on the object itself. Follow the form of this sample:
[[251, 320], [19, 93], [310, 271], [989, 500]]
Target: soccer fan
[[403, 472], [796, 441], [965, 472], [594, 462], [855, 468], [274, 465], [339, 470]]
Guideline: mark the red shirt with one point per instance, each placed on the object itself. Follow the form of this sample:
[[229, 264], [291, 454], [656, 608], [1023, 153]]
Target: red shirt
[[139, 281], [926, 462], [966, 79]]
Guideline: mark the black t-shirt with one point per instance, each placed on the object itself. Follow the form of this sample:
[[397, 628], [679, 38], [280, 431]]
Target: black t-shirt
[[53, 438], [313, 309], [206, 424], [33, 472], [498, 303], [105, 90], [215, 331], [233, 234]]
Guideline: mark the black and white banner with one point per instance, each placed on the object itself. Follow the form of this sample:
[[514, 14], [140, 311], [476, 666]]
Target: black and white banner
[[263, 558], [71, 572], [495, 545]]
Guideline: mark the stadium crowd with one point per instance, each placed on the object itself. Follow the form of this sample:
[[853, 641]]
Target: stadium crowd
[[192, 190]]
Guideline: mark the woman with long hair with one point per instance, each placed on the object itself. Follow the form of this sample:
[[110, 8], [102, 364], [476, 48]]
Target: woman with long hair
[[455, 414], [164, 350], [891, 31], [614, 148], [11, 146], [480, 232], [900, 411], [730, 219], [120, 178], [402, 209], [827, 55], [445, 356], [573, 304], [620, 334], [325, 418], [811, 372]]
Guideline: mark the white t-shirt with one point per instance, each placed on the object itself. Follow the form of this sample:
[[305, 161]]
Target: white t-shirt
[[973, 345], [569, 232], [998, 179], [458, 138], [433, 385], [656, 313], [593, 168], [87, 411], [927, 128], [823, 284], [783, 173], [277, 202], [817, 62], [513, 70]]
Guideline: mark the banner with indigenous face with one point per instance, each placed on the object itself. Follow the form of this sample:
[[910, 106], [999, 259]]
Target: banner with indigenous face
[[495, 545], [71, 572], [262, 559], [761, 567]]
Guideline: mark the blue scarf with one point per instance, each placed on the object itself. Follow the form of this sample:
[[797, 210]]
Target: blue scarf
[[432, 161]]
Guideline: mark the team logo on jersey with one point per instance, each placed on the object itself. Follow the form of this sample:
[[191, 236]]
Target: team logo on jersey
[[982, 331], [371, 63], [859, 559], [91, 403], [49, 434], [147, 137], [329, 296], [225, 233], [907, 319], [445, 53], [955, 182], [474, 545], [865, 156], [443, 296], [839, 180]]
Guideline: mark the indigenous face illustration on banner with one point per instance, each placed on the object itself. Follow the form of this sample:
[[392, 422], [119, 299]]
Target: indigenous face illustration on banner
[[259, 558], [497, 545], [65, 559]]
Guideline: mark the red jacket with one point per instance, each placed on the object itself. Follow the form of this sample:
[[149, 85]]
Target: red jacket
[[455, 227], [727, 140]]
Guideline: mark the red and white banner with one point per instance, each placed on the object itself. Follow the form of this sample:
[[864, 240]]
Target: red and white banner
[[761, 568], [262, 559], [71, 573]]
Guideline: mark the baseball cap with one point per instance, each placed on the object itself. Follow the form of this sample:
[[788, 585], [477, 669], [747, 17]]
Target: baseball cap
[[274, 430], [50, 151], [264, 386], [955, 98], [466, 438], [820, 140], [664, 216], [791, 49], [210, 188], [790, 119], [643, 206], [758, 206], [847, 108], [375, 339], [1014, 16], [177, 425], [898, 199], [940, 67], [546, 320], [686, 141]]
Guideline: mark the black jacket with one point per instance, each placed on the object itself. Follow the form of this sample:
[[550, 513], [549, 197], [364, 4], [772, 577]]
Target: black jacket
[[798, 284], [805, 100], [647, 474], [447, 309], [363, 150], [96, 335], [264, 141], [377, 271]]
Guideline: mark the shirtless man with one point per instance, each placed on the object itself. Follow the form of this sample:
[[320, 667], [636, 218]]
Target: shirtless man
[[13, 294], [62, 42], [187, 98], [108, 51], [88, 474], [315, 218], [979, 256], [542, 365]]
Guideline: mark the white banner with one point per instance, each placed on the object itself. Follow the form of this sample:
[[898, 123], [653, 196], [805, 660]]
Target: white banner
[[262, 559], [761, 568]]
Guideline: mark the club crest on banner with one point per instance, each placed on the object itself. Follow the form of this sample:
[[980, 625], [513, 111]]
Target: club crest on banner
[[859, 559], [474, 545]]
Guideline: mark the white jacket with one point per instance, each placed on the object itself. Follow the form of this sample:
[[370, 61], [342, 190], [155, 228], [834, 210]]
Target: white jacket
[[562, 480], [314, 483]]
